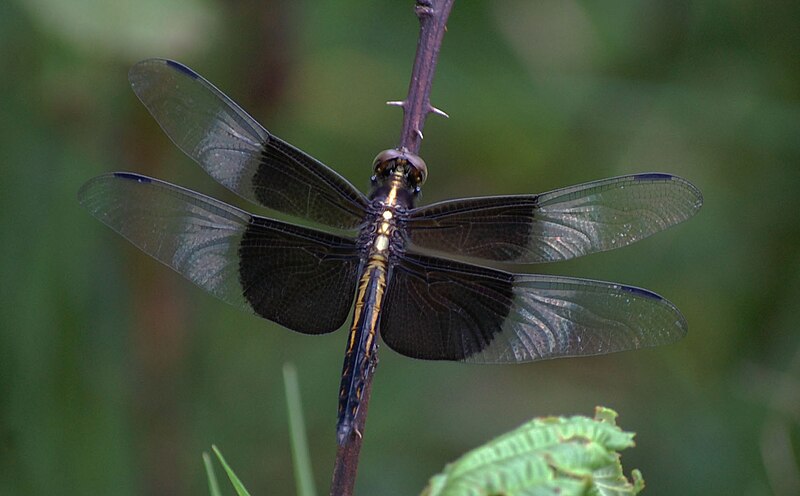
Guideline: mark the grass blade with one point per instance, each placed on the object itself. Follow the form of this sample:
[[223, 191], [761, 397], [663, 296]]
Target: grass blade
[[302, 461], [237, 484], [213, 485]]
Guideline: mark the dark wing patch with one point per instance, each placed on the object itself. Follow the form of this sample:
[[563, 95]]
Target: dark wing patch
[[302, 279], [438, 309]]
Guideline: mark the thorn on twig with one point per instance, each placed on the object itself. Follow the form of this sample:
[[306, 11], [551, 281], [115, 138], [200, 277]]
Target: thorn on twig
[[419, 133], [424, 8], [396, 103], [438, 112]]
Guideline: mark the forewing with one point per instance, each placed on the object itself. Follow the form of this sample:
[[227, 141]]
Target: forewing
[[439, 309], [238, 152], [558, 225], [298, 277]]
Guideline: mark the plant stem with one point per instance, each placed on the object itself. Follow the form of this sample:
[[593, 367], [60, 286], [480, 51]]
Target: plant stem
[[346, 464], [432, 16]]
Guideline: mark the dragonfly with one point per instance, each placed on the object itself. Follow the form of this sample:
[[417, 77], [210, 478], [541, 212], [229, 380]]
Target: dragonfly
[[412, 271]]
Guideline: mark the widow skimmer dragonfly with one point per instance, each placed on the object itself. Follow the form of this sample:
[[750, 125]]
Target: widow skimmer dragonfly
[[394, 264]]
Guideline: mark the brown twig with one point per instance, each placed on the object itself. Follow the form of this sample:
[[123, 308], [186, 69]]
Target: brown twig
[[432, 16], [346, 465], [417, 105]]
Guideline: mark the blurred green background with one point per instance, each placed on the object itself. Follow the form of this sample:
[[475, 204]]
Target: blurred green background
[[115, 373]]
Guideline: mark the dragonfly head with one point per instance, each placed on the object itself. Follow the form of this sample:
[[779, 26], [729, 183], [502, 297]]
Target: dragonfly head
[[394, 161]]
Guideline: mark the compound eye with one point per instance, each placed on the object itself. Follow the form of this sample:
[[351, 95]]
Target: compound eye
[[384, 162], [419, 171]]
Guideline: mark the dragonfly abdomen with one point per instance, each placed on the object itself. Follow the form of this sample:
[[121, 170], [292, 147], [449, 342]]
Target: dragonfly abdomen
[[361, 344]]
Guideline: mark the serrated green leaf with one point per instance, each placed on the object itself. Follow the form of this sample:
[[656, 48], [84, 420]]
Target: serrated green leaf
[[551, 455]]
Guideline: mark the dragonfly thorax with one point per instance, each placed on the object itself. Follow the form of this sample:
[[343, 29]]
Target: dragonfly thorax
[[382, 234]]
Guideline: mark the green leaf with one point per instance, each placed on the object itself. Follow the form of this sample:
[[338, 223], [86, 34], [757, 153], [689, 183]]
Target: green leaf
[[551, 455]]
